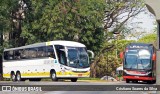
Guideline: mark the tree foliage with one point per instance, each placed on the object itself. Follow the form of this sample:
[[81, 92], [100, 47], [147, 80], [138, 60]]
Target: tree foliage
[[118, 12], [77, 20], [149, 38], [107, 63]]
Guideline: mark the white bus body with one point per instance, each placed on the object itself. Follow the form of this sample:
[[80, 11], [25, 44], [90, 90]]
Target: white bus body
[[54, 59]]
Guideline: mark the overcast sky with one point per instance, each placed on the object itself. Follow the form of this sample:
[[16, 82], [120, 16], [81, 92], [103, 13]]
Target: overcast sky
[[147, 23]]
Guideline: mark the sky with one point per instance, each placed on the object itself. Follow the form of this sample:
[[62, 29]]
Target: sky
[[148, 21], [147, 24]]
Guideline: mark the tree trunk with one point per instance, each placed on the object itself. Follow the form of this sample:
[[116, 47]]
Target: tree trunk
[[93, 70]]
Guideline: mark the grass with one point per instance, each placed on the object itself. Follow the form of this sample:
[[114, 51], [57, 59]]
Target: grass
[[48, 79], [79, 79]]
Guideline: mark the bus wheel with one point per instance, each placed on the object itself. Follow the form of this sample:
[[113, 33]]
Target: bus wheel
[[127, 81], [18, 76], [74, 79], [151, 82], [13, 76], [154, 81], [53, 76]]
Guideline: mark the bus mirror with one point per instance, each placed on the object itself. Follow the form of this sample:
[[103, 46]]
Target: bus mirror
[[154, 57], [121, 55], [90, 53]]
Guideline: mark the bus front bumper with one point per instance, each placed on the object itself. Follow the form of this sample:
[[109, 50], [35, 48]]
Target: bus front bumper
[[142, 78]]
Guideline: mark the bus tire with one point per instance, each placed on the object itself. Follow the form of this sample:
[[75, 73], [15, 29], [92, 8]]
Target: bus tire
[[18, 76], [74, 79], [13, 76], [127, 81], [154, 81], [151, 82], [53, 76]]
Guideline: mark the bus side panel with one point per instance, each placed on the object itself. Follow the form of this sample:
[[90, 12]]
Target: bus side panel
[[37, 68]]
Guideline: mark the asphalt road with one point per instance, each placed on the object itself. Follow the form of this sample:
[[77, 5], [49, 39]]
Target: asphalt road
[[87, 84]]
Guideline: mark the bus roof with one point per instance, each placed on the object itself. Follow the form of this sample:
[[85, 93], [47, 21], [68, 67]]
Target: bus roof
[[139, 45], [68, 43], [58, 42]]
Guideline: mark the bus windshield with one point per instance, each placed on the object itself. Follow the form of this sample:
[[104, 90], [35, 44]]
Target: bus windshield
[[138, 59], [78, 57]]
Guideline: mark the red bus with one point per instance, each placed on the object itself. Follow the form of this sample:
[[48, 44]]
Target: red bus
[[139, 63]]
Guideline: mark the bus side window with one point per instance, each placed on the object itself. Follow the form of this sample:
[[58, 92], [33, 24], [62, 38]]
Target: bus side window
[[6, 55], [24, 53], [50, 51], [62, 57], [61, 54], [16, 54], [32, 53], [10, 54], [41, 51]]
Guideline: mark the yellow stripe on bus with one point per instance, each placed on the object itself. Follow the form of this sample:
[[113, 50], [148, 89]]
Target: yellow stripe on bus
[[48, 74], [48, 43], [6, 75]]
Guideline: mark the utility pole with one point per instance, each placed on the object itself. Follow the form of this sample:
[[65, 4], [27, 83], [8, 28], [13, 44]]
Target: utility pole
[[154, 8], [1, 50], [107, 66]]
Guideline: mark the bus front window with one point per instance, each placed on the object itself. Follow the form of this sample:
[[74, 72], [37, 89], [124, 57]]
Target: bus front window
[[130, 61], [78, 57], [73, 57], [138, 59], [144, 59]]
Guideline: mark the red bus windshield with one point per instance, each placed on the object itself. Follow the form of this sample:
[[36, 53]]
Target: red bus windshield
[[138, 59]]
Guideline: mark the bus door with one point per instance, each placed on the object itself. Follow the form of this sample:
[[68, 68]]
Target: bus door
[[61, 54]]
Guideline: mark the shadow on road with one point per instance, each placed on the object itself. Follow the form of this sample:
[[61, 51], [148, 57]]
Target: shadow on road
[[140, 83]]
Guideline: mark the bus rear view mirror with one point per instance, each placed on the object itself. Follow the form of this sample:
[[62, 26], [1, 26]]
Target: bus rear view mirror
[[154, 57], [121, 55], [91, 55]]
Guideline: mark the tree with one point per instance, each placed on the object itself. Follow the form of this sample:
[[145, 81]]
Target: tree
[[5, 24], [103, 65], [149, 38], [118, 12], [77, 20]]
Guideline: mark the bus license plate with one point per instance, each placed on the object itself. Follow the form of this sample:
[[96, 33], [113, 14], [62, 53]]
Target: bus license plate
[[79, 74]]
